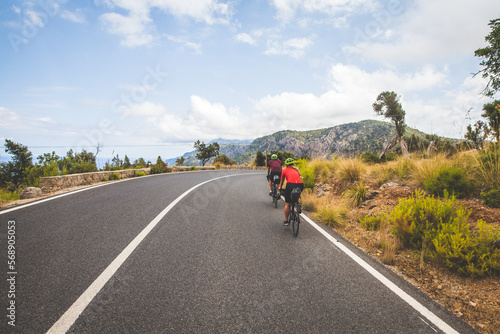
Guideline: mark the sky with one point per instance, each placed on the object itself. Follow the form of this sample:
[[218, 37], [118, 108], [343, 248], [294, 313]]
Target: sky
[[150, 77]]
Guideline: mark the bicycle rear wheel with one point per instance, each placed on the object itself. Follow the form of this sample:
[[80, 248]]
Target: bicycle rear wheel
[[295, 221], [275, 196]]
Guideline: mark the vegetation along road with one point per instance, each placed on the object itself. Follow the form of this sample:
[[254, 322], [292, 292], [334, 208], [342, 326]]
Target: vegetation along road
[[195, 252]]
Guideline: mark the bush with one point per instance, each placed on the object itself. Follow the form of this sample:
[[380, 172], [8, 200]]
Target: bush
[[139, 174], [114, 176], [372, 223], [307, 173], [450, 179], [8, 196], [417, 219], [159, 168], [470, 254], [492, 198], [369, 158]]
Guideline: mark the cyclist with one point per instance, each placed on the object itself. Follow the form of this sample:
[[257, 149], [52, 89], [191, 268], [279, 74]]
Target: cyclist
[[273, 168], [293, 180]]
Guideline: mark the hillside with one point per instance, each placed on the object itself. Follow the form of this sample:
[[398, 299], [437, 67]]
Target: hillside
[[343, 140]]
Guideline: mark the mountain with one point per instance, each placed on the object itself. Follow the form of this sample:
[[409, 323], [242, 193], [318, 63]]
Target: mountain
[[343, 140]]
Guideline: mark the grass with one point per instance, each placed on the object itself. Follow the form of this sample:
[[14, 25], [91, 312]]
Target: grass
[[356, 194], [8, 196], [351, 170], [332, 214]]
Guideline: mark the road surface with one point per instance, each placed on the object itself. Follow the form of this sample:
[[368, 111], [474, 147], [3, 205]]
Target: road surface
[[196, 252]]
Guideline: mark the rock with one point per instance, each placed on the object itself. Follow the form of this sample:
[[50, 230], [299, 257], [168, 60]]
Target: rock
[[389, 185], [371, 194], [30, 192]]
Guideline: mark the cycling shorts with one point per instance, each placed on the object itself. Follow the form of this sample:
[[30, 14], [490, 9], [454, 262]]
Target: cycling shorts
[[271, 176], [288, 190]]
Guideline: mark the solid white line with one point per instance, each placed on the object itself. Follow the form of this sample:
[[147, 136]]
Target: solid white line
[[393, 287], [69, 317]]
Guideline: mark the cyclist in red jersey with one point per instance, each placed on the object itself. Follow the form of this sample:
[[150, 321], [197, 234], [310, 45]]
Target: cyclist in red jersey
[[273, 168], [293, 180]]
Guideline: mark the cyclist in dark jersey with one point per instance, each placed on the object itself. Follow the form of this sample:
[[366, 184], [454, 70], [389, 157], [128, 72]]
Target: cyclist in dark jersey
[[273, 168], [293, 180]]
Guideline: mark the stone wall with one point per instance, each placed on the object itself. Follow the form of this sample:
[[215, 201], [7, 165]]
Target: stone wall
[[52, 183], [243, 167], [188, 168]]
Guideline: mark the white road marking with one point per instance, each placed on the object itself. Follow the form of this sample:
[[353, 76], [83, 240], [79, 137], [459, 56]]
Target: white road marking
[[393, 287], [71, 315]]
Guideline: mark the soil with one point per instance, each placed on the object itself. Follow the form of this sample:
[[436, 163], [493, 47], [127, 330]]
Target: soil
[[474, 300]]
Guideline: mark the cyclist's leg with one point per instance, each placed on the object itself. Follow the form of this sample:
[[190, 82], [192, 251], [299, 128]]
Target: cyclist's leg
[[287, 211]]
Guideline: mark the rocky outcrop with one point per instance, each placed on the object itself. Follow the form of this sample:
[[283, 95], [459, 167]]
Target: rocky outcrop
[[53, 183], [30, 192]]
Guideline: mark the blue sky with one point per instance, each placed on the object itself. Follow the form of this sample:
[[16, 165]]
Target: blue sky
[[148, 78]]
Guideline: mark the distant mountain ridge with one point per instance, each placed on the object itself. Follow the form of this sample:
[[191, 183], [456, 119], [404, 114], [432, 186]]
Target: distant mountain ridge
[[343, 140]]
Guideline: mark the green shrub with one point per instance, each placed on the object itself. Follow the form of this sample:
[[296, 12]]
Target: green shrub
[[470, 254], [492, 198], [369, 158], [8, 196], [193, 168], [114, 176], [451, 179], [417, 219], [140, 174], [372, 223], [307, 173]]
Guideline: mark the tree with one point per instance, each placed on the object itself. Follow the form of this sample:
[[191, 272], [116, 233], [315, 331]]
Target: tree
[[180, 161], [13, 173], [491, 61], [204, 152], [477, 135], [126, 162], [492, 115], [260, 159], [224, 159], [387, 105]]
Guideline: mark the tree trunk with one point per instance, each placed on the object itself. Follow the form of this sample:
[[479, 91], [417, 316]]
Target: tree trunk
[[431, 146], [404, 147], [387, 147]]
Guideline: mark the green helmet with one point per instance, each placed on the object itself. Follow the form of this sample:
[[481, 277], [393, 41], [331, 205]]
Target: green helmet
[[274, 156], [289, 161]]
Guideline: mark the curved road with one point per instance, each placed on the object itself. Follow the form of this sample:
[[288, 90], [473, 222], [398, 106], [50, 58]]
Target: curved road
[[195, 252]]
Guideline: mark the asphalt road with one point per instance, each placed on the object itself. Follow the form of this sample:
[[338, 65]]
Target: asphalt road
[[217, 260]]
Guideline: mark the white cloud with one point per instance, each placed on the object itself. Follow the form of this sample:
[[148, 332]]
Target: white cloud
[[34, 18], [8, 117], [137, 28], [428, 31], [287, 9], [196, 47], [145, 108], [16, 9], [132, 28], [246, 38], [294, 47], [74, 17]]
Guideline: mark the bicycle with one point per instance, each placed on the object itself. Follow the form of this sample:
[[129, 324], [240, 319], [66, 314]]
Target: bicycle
[[295, 211], [274, 189]]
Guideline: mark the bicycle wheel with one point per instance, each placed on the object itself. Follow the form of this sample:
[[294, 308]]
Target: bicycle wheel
[[275, 196], [295, 220]]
